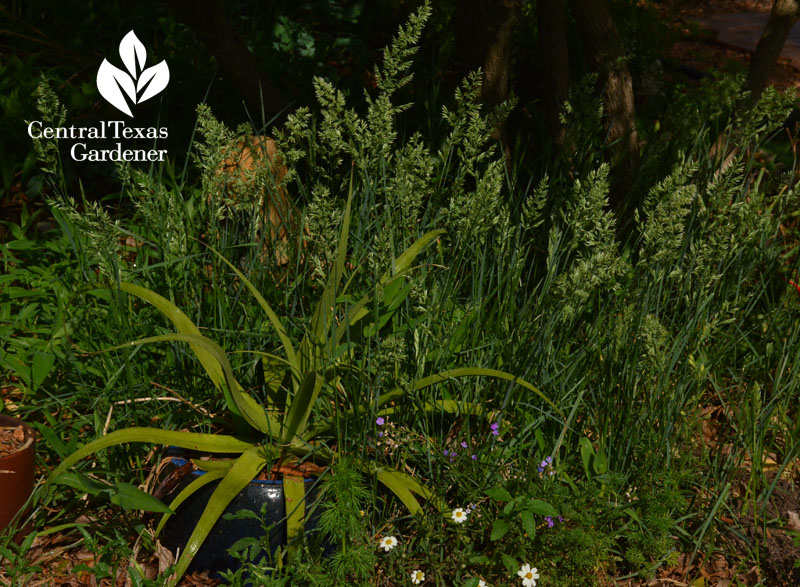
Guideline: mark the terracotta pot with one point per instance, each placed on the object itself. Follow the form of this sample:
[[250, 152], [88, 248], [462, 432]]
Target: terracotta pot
[[16, 473]]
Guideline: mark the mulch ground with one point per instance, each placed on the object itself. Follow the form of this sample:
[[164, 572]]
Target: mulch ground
[[11, 439]]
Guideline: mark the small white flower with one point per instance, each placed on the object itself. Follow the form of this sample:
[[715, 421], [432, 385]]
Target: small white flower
[[482, 583], [528, 575], [388, 543], [417, 577], [459, 516]]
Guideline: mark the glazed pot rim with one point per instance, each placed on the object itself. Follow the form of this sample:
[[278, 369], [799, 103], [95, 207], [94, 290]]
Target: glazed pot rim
[[179, 462]]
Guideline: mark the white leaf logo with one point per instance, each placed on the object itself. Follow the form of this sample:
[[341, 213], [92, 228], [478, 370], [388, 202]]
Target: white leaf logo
[[138, 84]]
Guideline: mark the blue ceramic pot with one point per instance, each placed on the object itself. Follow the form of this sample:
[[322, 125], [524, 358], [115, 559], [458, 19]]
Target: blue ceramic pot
[[213, 554]]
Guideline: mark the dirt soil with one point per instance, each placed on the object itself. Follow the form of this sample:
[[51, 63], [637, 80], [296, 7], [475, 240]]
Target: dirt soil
[[11, 440], [698, 48]]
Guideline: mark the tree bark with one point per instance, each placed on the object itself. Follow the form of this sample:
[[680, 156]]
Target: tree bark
[[484, 30], [503, 17], [782, 18], [208, 21], [607, 54], [554, 52]]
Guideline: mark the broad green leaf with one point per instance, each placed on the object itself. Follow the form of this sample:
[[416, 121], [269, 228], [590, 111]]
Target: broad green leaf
[[80, 482], [131, 497], [542, 508], [500, 528], [246, 467], [294, 493], [42, 364], [402, 485], [600, 461], [528, 524], [499, 494], [404, 261], [510, 563], [587, 452], [52, 439]]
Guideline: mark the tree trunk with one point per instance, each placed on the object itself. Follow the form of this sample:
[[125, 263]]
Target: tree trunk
[[503, 17], [484, 30], [555, 63], [782, 18], [208, 21], [607, 54]]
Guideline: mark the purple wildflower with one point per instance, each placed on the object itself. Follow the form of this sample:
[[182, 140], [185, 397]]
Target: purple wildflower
[[445, 452], [380, 434], [549, 521], [474, 457], [380, 421], [560, 519], [495, 426], [463, 444]]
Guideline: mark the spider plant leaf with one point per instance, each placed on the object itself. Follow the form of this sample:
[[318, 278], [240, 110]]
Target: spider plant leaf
[[467, 372], [404, 486], [196, 484], [182, 324], [216, 443], [294, 494], [302, 404], [239, 402], [213, 465], [241, 473]]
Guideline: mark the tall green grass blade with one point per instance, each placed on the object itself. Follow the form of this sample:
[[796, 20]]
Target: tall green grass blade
[[319, 322], [403, 262], [291, 356]]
